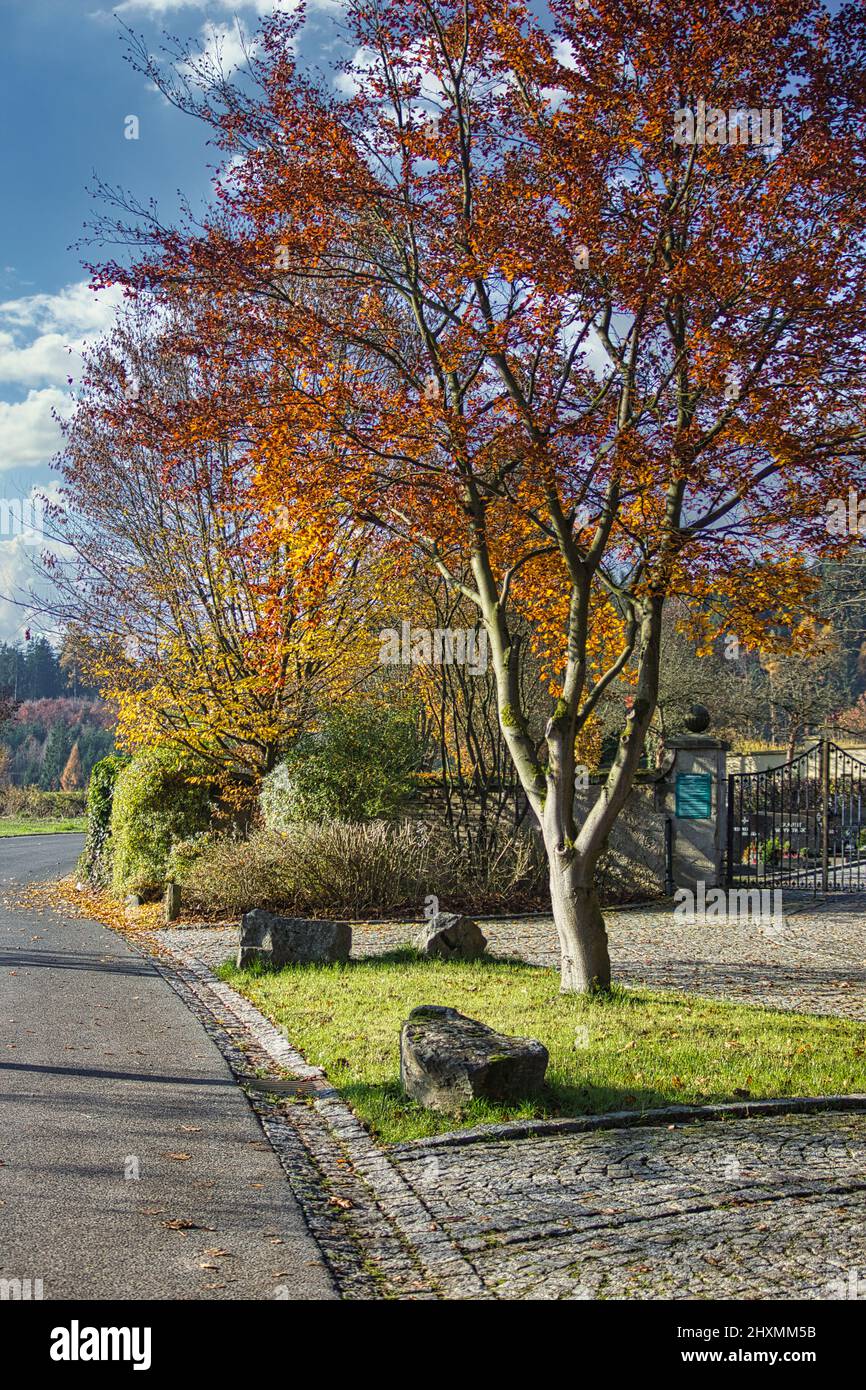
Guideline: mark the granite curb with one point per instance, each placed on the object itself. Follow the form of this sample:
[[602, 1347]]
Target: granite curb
[[633, 1119]]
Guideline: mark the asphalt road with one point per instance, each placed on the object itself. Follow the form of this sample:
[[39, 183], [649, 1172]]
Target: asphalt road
[[106, 1081]]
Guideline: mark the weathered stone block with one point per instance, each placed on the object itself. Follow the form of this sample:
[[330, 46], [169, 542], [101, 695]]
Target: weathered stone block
[[291, 940], [448, 936], [448, 1060]]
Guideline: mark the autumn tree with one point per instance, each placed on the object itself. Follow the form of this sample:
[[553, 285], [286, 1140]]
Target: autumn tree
[[804, 689], [72, 777], [73, 655], [481, 792], [208, 623], [526, 327]]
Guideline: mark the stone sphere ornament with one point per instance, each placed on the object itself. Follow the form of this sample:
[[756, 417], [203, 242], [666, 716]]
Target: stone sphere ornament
[[698, 720]]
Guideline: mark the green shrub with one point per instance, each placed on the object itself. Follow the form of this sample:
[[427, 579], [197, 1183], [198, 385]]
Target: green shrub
[[352, 870], [95, 862], [770, 850], [156, 803], [357, 767]]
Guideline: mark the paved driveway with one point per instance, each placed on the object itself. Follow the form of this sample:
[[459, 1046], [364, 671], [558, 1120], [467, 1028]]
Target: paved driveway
[[753, 1208], [114, 1066]]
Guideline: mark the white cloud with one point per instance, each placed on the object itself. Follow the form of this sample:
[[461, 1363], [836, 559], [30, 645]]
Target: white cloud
[[261, 7], [368, 60], [28, 432], [227, 46], [37, 332], [17, 574], [42, 336], [161, 7], [21, 574], [46, 359], [563, 52], [73, 310], [365, 60]]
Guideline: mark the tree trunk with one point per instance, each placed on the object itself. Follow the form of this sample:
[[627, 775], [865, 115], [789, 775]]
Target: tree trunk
[[580, 926]]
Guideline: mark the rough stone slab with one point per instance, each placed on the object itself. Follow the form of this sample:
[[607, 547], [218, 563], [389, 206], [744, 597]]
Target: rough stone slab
[[282, 941], [448, 1060]]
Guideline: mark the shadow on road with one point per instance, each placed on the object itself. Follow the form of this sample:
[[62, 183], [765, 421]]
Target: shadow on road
[[101, 1074], [72, 960]]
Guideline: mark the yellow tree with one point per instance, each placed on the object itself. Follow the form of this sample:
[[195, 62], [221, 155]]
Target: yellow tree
[[209, 623]]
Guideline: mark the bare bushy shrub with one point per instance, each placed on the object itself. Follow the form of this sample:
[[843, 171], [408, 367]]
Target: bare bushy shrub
[[34, 804], [373, 868]]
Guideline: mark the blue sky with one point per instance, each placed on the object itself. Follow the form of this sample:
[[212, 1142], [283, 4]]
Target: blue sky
[[65, 95]]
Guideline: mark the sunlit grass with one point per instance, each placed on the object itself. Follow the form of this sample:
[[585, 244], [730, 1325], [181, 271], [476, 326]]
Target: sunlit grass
[[21, 825], [634, 1049]]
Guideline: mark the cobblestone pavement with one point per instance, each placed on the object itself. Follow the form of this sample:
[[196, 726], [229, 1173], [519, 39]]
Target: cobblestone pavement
[[763, 1208], [816, 963]]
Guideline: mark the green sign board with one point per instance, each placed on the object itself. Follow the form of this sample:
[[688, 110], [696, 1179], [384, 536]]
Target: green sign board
[[694, 795]]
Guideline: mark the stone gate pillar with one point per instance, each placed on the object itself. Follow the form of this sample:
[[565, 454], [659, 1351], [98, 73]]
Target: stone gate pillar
[[694, 796]]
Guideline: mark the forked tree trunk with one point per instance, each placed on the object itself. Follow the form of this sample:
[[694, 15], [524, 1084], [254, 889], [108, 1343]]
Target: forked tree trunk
[[572, 853], [577, 915]]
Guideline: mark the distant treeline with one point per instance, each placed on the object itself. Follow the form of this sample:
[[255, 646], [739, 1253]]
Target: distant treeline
[[33, 670], [53, 727], [53, 744]]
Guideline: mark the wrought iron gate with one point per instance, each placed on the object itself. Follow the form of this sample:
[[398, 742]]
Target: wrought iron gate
[[802, 824]]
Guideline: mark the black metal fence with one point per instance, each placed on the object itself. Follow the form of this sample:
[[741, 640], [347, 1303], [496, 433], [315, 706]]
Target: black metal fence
[[801, 825]]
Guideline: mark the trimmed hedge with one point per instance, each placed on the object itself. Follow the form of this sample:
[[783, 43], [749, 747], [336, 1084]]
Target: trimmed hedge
[[155, 804], [95, 862], [32, 803]]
